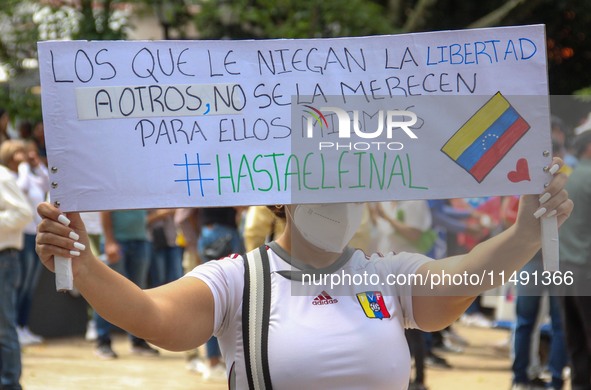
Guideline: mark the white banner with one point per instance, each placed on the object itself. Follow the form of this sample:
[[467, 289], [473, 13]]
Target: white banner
[[133, 124]]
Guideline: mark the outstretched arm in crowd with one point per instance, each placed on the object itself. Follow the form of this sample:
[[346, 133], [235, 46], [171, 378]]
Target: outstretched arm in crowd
[[435, 308], [177, 316]]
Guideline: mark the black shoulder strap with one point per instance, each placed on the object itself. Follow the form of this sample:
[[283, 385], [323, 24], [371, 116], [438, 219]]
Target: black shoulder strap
[[256, 309]]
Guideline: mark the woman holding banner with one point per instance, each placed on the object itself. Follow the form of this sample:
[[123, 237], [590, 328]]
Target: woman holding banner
[[306, 311]]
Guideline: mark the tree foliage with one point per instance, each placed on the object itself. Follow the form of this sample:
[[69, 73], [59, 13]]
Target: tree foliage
[[18, 34], [567, 21], [241, 19], [100, 20], [24, 22], [174, 16]]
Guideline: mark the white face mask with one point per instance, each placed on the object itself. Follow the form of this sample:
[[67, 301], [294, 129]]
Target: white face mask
[[328, 226]]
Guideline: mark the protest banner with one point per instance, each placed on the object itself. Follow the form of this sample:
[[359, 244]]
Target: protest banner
[[137, 124]]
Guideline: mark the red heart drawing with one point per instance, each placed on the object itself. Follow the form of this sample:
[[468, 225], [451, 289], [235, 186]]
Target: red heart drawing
[[520, 173]]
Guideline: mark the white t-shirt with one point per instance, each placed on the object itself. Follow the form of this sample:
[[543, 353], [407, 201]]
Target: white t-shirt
[[34, 183], [92, 222], [321, 338]]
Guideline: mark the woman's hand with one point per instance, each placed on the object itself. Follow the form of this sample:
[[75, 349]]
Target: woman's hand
[[553, 201], [61, 235]]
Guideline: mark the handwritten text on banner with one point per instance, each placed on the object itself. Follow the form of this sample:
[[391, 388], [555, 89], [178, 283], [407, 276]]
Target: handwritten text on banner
[[133, 124]]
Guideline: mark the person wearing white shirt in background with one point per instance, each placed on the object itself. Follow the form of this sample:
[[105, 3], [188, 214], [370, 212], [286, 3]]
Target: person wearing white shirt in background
[[32, 178], [15, 214]]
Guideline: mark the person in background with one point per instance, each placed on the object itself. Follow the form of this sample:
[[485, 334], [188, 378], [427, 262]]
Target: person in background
[[405, 226], [39, 139], [4, 120], [15, 214], [187, 220], [94, 228], [485, 217], [561, 141], [260, 226], [526, 376], [575, 257], [448, 221], [167, 256], [584, 124], [527, 368], [25, 130], [363, 238], [33, 180], [127, 251], [219, 237]]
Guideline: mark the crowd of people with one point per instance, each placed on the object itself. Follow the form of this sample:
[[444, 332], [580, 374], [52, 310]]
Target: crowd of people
[[152, 248]]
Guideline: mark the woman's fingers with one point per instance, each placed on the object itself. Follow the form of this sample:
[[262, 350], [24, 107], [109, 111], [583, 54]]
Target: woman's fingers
[[55, 235], [555, 185], [554, 193], [53, 221], [46, 210], [553, 197], [50, 237], [46, 251], [554, 201]]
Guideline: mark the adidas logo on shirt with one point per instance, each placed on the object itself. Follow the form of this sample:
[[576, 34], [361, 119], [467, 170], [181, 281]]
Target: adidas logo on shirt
[[324, 299]]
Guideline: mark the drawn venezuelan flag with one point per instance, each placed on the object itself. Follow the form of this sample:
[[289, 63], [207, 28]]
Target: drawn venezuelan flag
[[373, 305], [486, 137]]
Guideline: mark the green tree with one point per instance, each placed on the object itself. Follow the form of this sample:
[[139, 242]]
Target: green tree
[[18, 37], [241, 19], [99, 20], [567, 31], [24, 23], [567, 21], [174, 16]]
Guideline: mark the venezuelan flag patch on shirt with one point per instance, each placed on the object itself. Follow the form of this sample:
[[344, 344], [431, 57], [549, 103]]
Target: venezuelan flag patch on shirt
[[372, 303]]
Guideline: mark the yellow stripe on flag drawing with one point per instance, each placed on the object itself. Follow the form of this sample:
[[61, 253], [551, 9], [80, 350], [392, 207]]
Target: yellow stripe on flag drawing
[[362, 298], [475, 126]]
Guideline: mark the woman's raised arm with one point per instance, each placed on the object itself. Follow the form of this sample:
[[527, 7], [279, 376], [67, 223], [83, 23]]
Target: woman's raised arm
[[177, 316], [436, 305]]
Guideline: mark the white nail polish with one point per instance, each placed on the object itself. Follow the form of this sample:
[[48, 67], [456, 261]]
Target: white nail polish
[[550, 214], [79, 245], [554, 168], [544, 198], [63, 220], [74, 236], [75, 253], [541, 211]]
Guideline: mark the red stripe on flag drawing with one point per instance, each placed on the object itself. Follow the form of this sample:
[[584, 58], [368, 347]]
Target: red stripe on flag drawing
[[383, 308], [498, 150]]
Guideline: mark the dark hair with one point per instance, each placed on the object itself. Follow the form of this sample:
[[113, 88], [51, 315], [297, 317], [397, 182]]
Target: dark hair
[[278, 210], [557, 147]]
